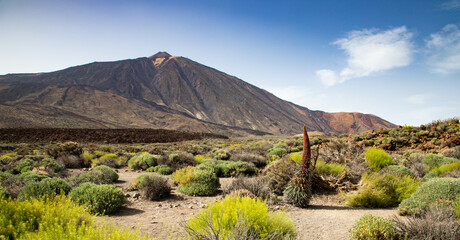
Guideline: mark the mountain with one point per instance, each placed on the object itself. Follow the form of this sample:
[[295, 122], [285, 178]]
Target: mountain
[[161, 91]]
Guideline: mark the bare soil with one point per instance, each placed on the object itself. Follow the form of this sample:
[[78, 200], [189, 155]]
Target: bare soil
[[326, 218]]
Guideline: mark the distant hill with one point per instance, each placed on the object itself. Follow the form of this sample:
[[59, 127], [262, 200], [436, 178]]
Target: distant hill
[[161, 91]]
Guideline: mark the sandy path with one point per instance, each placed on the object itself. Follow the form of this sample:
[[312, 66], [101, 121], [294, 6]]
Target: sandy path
[[325, 219]]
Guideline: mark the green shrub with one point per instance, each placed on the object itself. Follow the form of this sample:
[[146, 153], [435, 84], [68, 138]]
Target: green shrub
[[180, 160], [279, 152], [196, 182], [161, 169], [370, 227], [64, 149], [50, 164], [31, 177], [257, 160], [240, 218], [229, 168], [4, 193], [447, 168], [47, 187], [143, 161], [107, 170], [377, 158], [24, 165], [383, 190], [329, 169], [435, 191], [139, 181], [101, 199], [54, 219], [98, 175], [435, 161], [397, 170]]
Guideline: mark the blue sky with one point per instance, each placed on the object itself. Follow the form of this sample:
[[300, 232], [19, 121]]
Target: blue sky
[[399, 60]]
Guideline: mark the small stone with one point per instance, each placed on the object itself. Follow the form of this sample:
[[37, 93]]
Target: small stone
[[191, 207], [202, 206], [126, 170], [136, 195], [127, 195]]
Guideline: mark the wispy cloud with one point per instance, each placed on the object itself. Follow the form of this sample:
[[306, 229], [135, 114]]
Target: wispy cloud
[[451, 5], [444, 49], [369, 52]]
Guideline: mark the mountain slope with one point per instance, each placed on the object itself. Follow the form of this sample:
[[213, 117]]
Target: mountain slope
[[164, 91]]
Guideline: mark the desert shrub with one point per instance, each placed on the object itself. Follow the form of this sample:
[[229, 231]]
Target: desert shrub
[[377, 158], [162, 169], [31, 177], [109, 160], [240, 218], [155, 188], [228, 168], [54, 218], [107, 170], [329, 169], [447, 168], [88, 157], [397, 170], [445, 190], [370, 227], [96, 175], [178, 160], [139, 181], [51, 165], [196, 182], [24, 165], [383, 190], [101, 199], [257, 160], [280, 173], [199, 158], [297, 156], [435, 161], [437, 222], [4, 193], [279, 152], [46, 187], [452, 152], [258, 186], [63, 149], [143, 161], [72, 161], [222, 154], [343, 152]]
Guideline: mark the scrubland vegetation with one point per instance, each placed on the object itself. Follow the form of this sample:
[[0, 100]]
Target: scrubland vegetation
[[53, 190]]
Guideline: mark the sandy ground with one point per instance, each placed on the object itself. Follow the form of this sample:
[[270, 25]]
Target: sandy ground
[[326, 218]]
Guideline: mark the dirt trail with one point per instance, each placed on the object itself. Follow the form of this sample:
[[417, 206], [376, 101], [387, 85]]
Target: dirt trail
[[327, 218]]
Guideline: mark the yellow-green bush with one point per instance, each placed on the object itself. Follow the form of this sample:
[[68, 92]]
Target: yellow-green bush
[[297, 156], [54, 219], [329, 169], [139, 181], [46, 187], [435, 191], [436, 161], [100, 199], [199, 158], [143, 161], [196, 182], [241, 218], [383, 190], [447, 168], [370, 227], [377, 158]]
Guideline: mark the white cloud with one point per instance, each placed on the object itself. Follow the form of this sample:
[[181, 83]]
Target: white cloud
[[417, 99], [444, 49], [370, 52], [451, 5]]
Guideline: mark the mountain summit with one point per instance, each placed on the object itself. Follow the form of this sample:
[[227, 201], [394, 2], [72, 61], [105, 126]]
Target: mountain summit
[[161, 91]]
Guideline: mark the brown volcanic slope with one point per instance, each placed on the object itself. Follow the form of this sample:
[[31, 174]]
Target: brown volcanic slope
[[160, 91]]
